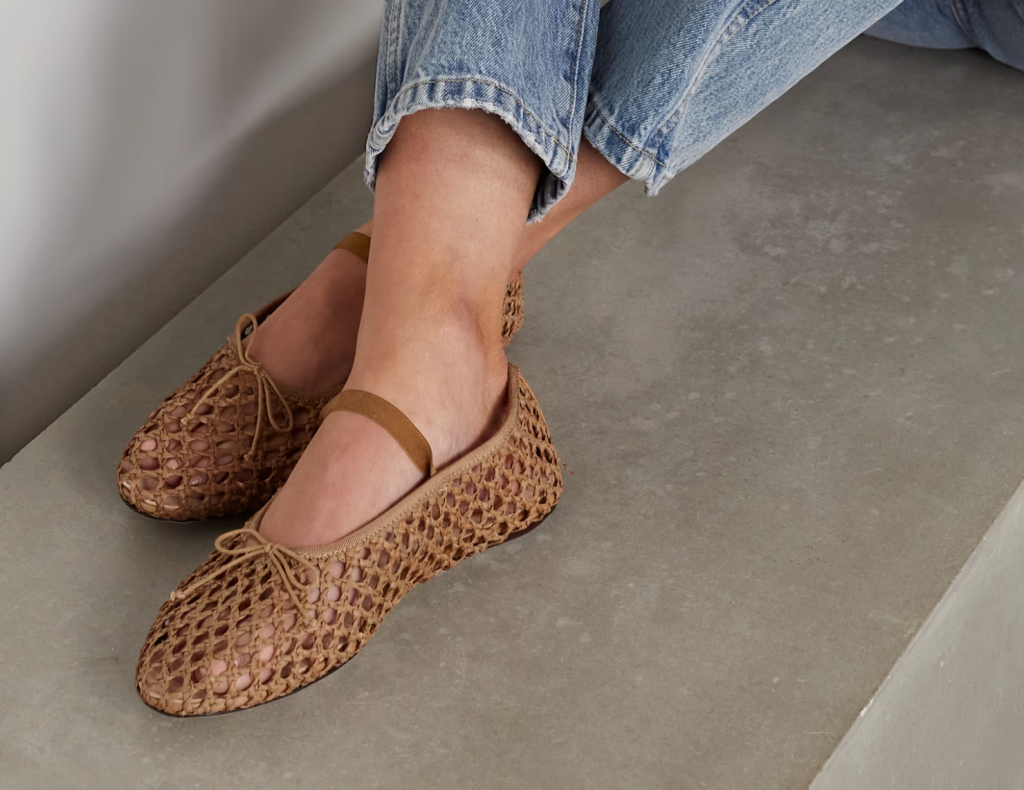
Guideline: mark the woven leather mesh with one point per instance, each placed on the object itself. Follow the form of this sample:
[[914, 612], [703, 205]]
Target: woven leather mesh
[[514, 312], [210, 468], [245, 619]]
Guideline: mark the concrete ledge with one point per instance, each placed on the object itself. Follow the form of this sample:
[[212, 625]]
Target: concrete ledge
[[951, 713], [789, 393]]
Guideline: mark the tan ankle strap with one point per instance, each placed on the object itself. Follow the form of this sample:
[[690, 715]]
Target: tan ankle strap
[[357, 243], [391, 419]]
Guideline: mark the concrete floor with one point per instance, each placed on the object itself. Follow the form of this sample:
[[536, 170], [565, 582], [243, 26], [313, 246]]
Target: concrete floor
[[788, 391]]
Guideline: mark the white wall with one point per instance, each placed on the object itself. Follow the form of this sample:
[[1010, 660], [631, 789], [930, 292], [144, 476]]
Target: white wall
[[145, 146]]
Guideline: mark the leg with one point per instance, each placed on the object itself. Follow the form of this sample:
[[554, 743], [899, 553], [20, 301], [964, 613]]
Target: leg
[[309, 342], [672, 80], [654, 110], [305, 345], [923, 23], [453, 193], [595, 178], [995, 26], [310, 325], [454, 189]]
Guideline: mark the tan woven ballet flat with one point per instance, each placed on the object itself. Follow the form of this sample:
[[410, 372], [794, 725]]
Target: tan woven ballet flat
[[228, 438], [258, 620]]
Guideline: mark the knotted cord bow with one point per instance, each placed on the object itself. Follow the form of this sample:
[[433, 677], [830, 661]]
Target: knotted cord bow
[[265, 385], [278, 557]]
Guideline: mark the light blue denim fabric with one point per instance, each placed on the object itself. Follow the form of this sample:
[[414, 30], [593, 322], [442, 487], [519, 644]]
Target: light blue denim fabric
[[672, 79], [995, 26], [653, 84], [527, 62]]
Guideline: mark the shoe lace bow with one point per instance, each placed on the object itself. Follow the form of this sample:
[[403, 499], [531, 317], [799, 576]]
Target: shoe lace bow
[[265, 388], [282, 559]]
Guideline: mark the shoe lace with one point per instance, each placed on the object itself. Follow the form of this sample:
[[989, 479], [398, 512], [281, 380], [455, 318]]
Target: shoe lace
[[265, 387], [281, 559]]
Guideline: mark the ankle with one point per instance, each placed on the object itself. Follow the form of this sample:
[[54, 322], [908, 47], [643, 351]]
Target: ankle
[[450, 381], [309, 342], [439, 317]]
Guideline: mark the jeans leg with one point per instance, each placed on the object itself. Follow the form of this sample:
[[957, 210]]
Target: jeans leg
[[923, 23], [671, 79], [527, 62], [996, 26]]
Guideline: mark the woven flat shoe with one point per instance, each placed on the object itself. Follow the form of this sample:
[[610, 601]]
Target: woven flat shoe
[[228, 438], [258, 620]]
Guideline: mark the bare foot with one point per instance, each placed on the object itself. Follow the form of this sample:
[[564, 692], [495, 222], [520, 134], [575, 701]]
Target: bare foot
[[353, 470], [309, 342], [429, 340]]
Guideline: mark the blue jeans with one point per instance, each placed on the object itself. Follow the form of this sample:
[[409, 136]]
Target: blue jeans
[[653, 85], [995, 26]]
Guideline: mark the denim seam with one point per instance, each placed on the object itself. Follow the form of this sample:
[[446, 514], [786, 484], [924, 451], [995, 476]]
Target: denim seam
[[576, 64], [611, 127], [507, 91], [392, 64], [741, 18], [962, 18]]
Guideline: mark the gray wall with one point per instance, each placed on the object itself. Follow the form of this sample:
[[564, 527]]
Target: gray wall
[[145, 148]]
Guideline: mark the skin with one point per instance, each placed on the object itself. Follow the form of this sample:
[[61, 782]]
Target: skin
[[309, 342], [453, 192]]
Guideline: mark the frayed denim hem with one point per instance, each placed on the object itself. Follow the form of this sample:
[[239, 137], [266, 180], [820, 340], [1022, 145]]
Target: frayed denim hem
[[559, 156]]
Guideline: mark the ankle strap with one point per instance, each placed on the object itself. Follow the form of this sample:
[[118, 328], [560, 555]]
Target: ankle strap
[[357, 243], [391, 419]]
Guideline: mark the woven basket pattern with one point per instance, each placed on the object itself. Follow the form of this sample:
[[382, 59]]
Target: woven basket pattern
[[243, 620], [211, 466], [514, 312]]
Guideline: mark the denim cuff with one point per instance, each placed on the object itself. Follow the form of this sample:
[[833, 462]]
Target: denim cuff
[[481, 94], [629, 158]]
